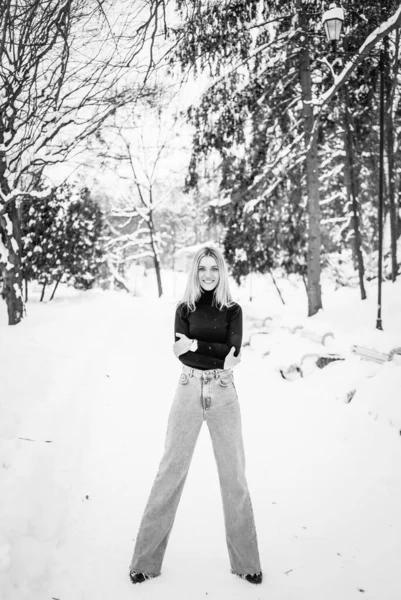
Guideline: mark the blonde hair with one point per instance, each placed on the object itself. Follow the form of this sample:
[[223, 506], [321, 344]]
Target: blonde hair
[[222, 295]]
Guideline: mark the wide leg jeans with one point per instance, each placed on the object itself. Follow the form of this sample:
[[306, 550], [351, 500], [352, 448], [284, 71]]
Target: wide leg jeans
[[200, 396]]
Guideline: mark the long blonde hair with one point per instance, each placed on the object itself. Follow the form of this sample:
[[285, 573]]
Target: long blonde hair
[[222, 295]]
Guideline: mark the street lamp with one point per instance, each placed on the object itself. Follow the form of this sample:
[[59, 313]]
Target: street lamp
[[332, 21]]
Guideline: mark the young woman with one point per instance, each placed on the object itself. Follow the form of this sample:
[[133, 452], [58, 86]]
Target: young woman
[[208, 334]]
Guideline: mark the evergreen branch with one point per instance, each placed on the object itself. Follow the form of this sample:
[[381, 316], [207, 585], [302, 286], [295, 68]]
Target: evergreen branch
[[241, 64], [371, 41]]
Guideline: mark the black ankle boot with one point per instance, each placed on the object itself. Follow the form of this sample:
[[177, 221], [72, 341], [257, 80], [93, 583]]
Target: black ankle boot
[[253, 577], [138, 577]]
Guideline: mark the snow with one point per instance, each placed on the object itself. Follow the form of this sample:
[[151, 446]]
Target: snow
[[3, 253], [9, 225], [85, 390], [17, 192], [218, 202], [17, 290], [14, 245]]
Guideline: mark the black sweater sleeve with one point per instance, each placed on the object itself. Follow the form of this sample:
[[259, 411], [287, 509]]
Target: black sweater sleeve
[[181, 324], [234, 337], [196, 359]]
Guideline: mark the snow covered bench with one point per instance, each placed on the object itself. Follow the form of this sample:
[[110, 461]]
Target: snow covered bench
[[248, 341], [307, 364], [304, 366], [267, 328], [319, 338], [376, 356]]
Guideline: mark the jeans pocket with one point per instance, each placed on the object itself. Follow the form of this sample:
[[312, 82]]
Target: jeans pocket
[[225, 381], [183, 379]]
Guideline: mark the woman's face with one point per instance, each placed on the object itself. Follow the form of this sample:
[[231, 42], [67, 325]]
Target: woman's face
[[208, 273]]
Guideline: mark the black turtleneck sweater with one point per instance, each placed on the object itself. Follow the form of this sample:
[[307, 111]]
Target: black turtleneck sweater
[[216, 331]]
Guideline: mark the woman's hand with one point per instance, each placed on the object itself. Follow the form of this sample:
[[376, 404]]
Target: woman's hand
[[183, 344], [232, 361]]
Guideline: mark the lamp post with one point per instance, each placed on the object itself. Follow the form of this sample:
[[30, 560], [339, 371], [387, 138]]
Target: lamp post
[[381, 194], [332, 21]]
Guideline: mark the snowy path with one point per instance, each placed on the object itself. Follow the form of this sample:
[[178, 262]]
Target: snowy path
[[326, 500]]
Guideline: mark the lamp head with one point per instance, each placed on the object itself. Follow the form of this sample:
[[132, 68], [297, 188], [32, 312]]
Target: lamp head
[[332, 21]]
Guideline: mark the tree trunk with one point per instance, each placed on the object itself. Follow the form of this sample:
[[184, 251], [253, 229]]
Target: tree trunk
[[26, 289], [276, 286], [392, 203], [56, 286], [399, 208], [43, 292], [312, 170], [10, 236], [392, 83], [305, 283], [155, 252], [12, 271], [352, 193]]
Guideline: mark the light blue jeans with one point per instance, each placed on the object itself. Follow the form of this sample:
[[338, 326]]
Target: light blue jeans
[[200, 396]]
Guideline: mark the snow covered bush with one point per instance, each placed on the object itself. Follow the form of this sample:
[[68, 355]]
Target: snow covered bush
[[83, 254], [61, 238]]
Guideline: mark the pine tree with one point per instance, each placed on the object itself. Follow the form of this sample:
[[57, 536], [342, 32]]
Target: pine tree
[[83, 252], [268, 64], [61, 239]]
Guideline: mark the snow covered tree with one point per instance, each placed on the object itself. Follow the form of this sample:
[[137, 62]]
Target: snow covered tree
[[357, 124], [43, 235], [83, 252], [271, 236], [264, 109], [62, 239], [65, 67], [183, 221], [258, 113], [376, 23], [143, 148]]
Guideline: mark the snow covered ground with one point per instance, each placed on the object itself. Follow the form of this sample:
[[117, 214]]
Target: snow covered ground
[[86, 383]]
